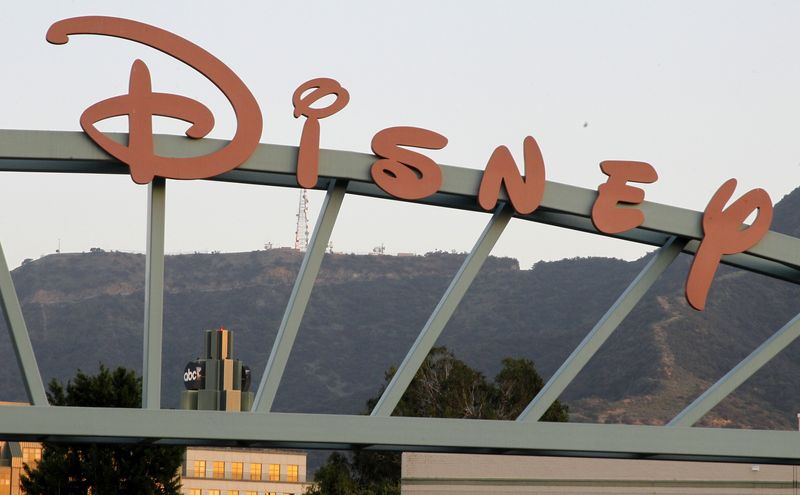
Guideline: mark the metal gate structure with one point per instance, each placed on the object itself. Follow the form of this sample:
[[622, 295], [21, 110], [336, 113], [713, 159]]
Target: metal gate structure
[[672, 230]]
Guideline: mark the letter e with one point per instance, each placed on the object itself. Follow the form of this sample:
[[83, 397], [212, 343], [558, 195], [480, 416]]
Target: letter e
[[606, 215]]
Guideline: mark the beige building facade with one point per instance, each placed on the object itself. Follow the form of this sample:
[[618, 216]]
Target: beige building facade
[[205, 471], [451, 474], [232, 471], [12, 457]]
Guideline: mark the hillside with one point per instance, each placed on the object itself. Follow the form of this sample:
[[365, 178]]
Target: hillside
[[365, 312]]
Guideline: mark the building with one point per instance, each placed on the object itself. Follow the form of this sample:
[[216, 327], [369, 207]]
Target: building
[[12, 456], [205, 470], [231, 471], [218, 381], [449, 474]]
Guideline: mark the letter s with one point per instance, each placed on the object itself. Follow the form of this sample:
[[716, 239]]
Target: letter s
[[403, 173]]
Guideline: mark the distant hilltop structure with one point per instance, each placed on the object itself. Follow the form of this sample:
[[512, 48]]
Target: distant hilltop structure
[[217, 382]]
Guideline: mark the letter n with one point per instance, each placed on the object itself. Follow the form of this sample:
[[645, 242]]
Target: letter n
[[525, 192]]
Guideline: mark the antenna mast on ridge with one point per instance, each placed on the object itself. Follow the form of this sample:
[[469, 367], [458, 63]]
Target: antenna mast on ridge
[[301, 234]]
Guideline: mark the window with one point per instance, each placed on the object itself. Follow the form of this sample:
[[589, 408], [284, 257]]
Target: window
[[199, 469], [255, 471], [272, 493], [31, 455], [251, 493], [237, 468], [213, 492], [274, 472], [194, 491], [291, 472], [233, 492], [219, 470]]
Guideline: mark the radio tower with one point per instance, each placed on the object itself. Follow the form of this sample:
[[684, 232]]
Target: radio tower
[[301, 234]]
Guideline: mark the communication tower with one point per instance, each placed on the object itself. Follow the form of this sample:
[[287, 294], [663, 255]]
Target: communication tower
[[301, 234]]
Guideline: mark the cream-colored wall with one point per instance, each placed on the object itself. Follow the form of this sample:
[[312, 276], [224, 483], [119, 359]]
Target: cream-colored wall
[[445, 474], [265, 457]]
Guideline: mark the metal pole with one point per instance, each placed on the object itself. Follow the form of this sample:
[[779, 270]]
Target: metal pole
[[735, 377], [20, 339], [602, 330], [296, 308], [154, 295], [443, 311]]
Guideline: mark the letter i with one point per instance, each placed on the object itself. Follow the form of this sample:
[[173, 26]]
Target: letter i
[[308, 155]]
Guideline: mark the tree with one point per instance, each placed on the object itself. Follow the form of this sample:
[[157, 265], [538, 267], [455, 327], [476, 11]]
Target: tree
[[335, 477], [444, 387], [100, 469]]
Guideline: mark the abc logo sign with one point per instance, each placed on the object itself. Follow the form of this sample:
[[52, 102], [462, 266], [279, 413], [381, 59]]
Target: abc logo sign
[[194, 375]]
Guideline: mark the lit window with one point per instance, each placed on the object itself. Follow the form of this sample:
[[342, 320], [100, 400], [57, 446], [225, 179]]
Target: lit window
[[213, 492], [251, 493], [199, 469], [291, 472], [194, 491], [274, 472], [219, 470], [233, 492], [237, 468], [31, 455], [272, 493], [255, 471]]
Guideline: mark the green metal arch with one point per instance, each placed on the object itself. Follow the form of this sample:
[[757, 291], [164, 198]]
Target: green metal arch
[[674, 230]]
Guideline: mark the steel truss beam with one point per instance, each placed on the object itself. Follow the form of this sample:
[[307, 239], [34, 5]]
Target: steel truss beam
[[154, 294], [777, 255], [442, 313], [738, 375], [602, 331], [673, 229], [394, 433], [298, 300], [20, 338]]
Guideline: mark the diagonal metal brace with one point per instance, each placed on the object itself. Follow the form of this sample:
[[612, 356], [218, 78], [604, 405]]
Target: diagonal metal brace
[[443, 311], [602, 330], [19, 336], [298, 300], [738, 375]]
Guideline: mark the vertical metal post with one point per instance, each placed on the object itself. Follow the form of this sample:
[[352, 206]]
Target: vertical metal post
[[443, 311], [602, 330], [298, 301], [154, 295], [12, 311]]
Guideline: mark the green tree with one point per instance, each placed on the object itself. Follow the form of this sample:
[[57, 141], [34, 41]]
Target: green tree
[[103, 469], [444, 387], [335, 477]]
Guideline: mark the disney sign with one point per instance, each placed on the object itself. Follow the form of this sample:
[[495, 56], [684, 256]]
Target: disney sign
[[400, 171]]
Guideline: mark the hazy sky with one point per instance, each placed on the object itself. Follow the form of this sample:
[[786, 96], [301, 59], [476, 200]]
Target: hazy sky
[[704, 91]]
